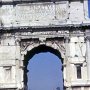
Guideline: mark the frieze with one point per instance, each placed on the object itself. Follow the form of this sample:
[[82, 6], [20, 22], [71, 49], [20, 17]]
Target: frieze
[[51, 34]]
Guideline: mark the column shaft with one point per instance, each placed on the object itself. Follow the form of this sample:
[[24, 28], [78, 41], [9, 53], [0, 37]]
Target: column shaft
[[88, 58]]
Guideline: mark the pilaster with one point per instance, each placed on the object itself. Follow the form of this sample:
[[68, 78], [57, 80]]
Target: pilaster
[[67, 65], [88, 53], [88, 56]]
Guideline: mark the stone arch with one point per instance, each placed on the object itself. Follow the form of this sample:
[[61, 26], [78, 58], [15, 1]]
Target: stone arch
[[55, 44], [35, 50]]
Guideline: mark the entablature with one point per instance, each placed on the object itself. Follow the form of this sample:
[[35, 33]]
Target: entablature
[[61, 13]]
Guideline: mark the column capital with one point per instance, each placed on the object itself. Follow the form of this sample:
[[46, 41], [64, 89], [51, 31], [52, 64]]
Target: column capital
[[17, 41], [67, 39]]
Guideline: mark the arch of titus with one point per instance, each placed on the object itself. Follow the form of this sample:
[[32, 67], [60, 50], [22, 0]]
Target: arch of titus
[[62, 26]]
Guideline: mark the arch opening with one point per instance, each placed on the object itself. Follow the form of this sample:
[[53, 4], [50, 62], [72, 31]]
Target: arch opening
[[37, 50]]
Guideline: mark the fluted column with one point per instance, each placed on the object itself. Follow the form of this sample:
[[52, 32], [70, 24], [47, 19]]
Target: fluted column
[[88, 56]]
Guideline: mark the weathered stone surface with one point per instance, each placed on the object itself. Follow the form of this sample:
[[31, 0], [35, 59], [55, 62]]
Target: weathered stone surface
[[70, 41], [44, 14]]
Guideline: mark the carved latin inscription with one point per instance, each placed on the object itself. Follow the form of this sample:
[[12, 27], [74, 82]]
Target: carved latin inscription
[[33, 14], [45, 11]]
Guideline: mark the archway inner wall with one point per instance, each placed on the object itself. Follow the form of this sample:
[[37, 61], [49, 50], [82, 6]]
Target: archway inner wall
[[41, 48]]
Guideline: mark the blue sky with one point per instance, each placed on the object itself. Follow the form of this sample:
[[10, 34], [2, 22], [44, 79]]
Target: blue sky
[[89, 7], [45, 72]]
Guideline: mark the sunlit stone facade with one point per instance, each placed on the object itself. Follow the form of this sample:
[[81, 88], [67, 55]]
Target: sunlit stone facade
[[61, 25]]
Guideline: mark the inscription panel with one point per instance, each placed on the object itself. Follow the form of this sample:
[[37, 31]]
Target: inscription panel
[[41, 12], [33, 14]]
